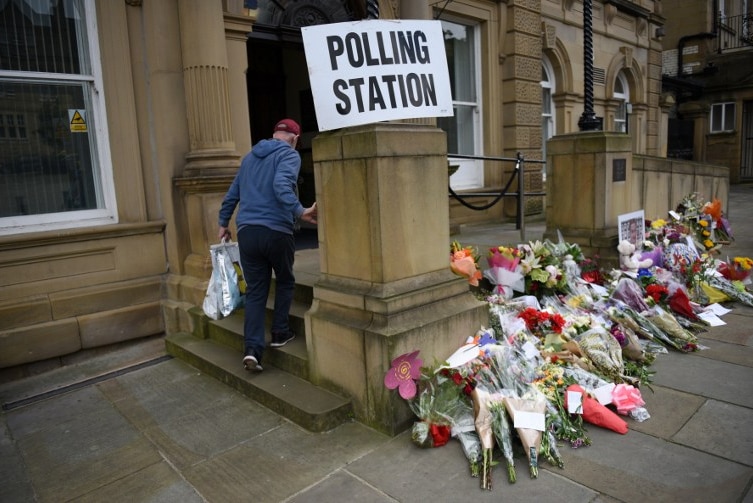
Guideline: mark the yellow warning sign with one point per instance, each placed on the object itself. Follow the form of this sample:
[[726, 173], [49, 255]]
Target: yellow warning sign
[[78, 120]]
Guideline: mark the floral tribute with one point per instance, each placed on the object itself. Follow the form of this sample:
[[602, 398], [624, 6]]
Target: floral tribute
[[569, 344], [464, 262]]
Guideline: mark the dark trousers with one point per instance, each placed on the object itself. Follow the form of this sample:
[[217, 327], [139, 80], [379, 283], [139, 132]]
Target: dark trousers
[[262, 251]]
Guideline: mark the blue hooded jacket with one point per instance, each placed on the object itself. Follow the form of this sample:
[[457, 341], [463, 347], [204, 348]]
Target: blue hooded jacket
[[265, 188]]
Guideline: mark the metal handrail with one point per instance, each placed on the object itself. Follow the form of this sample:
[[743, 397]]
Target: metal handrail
[[519, 171]]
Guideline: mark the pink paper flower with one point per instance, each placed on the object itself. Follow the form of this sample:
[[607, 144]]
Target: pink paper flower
[[403, 374]]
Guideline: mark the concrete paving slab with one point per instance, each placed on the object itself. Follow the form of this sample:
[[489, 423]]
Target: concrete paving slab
[[670, 410], [155, 483], [637, 468], [727, 352], [704, 377], [280, 463], [740, 316], [411, 474], [89, 446], [341, 483], [14, 480], [720, 428], [196, 426]]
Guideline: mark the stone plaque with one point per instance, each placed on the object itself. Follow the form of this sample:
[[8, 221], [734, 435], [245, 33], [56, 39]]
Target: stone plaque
[[619, 170]]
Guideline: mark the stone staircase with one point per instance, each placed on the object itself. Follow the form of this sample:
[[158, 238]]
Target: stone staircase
[[216, 348]]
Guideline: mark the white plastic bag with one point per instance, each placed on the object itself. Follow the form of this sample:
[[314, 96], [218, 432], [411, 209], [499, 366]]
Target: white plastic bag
[[224, 290]]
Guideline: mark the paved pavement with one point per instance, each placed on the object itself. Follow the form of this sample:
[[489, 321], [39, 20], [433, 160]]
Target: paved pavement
[[136, 426]]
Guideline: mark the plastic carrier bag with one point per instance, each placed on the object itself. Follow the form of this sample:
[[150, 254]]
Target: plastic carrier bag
[[226, 285]]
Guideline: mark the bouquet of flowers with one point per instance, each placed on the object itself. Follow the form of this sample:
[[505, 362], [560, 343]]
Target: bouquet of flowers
[[542, 269], [528, 417], [464, 262], [503, 435], [504, 272], [737, 269]]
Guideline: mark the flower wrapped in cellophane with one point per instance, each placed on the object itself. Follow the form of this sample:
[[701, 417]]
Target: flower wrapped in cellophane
[[503, 433], [483, 423], [529, 420], [504, 271], [464, 262], [737, 269], [735, 290]]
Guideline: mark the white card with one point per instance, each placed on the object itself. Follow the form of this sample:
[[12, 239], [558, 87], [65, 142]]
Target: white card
[[530, 350], [531, 420], [575, 402], [604, 393], [711, 318], [717, 309]]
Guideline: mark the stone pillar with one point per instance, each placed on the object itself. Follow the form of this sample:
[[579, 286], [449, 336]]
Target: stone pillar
[[212, 160], [521, 78], [385, 286], [205, 76], [589, 178]]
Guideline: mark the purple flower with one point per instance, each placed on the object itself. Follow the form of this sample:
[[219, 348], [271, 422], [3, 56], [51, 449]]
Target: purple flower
[[403, 374]]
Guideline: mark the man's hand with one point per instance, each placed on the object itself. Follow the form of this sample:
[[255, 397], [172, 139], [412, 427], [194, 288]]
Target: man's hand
[[224, 234], [309, 214]]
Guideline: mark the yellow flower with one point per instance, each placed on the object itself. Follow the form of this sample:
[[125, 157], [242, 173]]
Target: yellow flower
[[708, 243], [703, 223], [706, 233], [745, 262], [658, 223]]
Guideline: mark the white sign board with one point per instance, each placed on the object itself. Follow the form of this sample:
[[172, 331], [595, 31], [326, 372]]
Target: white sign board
[[376, 70]]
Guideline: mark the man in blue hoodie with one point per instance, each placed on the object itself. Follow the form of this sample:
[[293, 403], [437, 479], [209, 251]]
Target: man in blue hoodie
[[264, 190]]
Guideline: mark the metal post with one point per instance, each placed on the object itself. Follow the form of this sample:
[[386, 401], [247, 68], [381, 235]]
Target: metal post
[[588, 120], [521, 197], [372, 9]]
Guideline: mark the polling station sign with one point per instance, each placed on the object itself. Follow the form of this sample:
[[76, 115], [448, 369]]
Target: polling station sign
[[376, 70]]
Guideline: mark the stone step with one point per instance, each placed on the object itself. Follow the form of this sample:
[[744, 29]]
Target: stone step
[[292, 357], [307, 405]]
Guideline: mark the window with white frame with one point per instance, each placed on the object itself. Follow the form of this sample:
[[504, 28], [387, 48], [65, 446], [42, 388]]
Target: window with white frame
[[464, 127], [547, 104], [53, 137], [722, 117], [622, 96]]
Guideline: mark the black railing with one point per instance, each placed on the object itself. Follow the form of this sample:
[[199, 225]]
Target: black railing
[[735, 32], [520, 195]]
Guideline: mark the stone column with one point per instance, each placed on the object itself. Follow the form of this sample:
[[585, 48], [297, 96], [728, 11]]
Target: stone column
[[589, 184], [205, 76], [385, 287], [211, 161]]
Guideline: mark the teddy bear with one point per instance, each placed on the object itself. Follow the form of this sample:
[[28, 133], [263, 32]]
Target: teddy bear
[[630, 260]]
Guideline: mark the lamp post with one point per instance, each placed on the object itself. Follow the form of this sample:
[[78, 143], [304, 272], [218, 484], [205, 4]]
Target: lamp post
[[588, 120]]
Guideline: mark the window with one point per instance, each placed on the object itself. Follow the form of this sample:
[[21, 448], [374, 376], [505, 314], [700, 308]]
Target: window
[[464, 128], [622, 95], [722, 117], [547, 105], [53, 139]]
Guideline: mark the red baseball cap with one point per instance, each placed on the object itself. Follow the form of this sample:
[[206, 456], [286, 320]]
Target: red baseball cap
[[289, 126]]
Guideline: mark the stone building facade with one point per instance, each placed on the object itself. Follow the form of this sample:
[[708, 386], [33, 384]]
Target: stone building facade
[[116, 159]]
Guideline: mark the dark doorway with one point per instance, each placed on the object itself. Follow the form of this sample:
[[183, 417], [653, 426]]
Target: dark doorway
[[680, 139], [278, 83]]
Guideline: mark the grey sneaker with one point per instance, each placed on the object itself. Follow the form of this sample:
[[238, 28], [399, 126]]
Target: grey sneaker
[[251, 363], [279, 340]]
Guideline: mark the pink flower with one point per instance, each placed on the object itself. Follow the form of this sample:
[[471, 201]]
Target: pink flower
[[403, 373]]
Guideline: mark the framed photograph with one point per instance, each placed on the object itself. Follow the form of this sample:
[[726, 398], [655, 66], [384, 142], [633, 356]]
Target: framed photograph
[[631, 227]]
